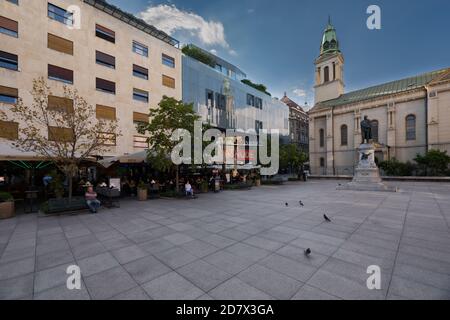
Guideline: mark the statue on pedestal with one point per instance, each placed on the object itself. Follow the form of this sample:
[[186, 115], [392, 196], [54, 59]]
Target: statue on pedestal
[[366, 130]]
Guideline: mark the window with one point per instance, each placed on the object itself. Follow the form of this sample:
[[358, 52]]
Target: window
[[374, 124], [221, 101], [334, 71], [322, 138], [322, 162], [9, 27], [105, 113], [60, 134], [60, 104], [140, 142], [326, 74], [140, 72], [140, 118], [168, 61], [108, 139], [105, 33], [344, 135], [105, 60], [411, 127], [258, 103], [9, 61], [140, 49], [209, 99], [14, 1], [105, 86], [258, 126], [250, 100], [60, 74], [168, 82], [140, 95], [8, 95], [9, 130], [59, 14], [59, 44]]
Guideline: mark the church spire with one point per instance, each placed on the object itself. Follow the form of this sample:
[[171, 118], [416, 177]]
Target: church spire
[[330, 44]]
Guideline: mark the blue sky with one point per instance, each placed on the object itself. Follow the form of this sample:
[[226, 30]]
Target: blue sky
[[276, 42]]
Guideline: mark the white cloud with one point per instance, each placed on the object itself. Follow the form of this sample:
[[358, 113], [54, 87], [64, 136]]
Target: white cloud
[[170, 19], [299, 92]]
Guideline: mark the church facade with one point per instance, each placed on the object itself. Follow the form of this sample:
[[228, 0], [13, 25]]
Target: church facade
[[408, 116]]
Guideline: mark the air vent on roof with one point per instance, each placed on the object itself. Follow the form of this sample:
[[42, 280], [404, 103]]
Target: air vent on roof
[[411, 85]]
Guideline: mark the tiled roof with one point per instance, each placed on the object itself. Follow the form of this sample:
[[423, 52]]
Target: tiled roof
[[385, 89], [290, 103]]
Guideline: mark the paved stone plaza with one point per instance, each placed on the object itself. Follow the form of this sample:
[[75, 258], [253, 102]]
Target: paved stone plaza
[[239, 245]]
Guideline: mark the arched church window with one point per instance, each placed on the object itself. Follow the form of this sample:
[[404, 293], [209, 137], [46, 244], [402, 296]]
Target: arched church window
[[322, 162], [322, 138], [344, 135], [411, 127], [375, 126], [334, 71], [326, 74]]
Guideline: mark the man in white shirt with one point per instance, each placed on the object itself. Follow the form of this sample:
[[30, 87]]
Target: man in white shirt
[[188, 189]]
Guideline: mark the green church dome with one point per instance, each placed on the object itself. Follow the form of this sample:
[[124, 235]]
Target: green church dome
[[330, 44]]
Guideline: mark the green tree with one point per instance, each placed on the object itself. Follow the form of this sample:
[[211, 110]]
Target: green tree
[[198, 55], [434, 162], [291, 157], [259, 87], [170, 115]]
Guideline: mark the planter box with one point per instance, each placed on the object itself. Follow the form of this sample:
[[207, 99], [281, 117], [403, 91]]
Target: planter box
[[62, 204], [142, 194], [7, 210]]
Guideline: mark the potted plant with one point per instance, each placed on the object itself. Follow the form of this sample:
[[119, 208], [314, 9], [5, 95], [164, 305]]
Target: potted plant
[[204, 186], [258, 180], [142, 191], [6, 205]]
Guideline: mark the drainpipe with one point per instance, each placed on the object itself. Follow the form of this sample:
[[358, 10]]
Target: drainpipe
[[426, 120]]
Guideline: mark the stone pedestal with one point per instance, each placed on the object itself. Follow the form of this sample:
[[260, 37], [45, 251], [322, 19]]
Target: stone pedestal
[[367, 175]]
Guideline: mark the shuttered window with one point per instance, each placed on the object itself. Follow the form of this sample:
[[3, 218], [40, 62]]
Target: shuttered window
[[140, 95], [105, 86], [9, 61], [168, 61], [60, 74], [168, 81], [140, 117], [105, 33], [9, 27], [9, 130], [59, 44], [59, 14], [108, 139], [60, 104], [60, 134], [140, 72], [105, 59], [140, 49], [106, 113], [8, 95]]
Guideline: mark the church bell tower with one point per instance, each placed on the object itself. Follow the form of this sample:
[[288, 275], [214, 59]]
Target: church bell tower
[[329, 80]]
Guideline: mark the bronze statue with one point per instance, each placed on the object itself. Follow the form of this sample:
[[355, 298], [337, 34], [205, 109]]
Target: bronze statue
[[366, 130]]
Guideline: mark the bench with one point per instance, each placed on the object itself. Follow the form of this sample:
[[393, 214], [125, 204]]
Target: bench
[[63, 204]]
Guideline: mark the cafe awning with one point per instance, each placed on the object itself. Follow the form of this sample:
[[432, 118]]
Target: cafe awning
[[137, 158]]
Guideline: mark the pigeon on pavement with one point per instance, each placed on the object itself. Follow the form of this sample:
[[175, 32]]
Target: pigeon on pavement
[[326, 218]]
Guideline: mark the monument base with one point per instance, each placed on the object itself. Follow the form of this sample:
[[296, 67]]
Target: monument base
[[367, 175]]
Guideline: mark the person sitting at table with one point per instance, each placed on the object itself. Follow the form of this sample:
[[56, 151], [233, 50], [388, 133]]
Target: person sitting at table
[[188, 189], [91, 200]]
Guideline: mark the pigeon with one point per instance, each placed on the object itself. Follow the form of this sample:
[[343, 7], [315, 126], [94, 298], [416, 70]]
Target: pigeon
[[326, 218], [308, 252], [301, 203], [287, 204]]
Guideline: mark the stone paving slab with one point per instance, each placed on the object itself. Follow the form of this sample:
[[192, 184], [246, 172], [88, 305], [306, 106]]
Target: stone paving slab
[[239, 245]]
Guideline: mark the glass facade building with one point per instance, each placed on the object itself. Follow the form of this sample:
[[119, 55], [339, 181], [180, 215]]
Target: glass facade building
[[223, 101]]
